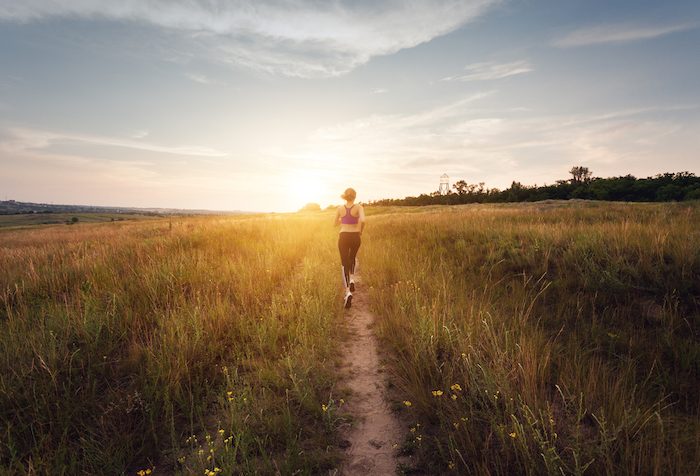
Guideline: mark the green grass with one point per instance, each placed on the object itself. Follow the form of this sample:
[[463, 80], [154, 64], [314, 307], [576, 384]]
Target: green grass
[[34, 219], [549, 338], [121, 341], [543, 339]]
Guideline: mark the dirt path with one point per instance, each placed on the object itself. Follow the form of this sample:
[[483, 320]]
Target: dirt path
[[376, 430]]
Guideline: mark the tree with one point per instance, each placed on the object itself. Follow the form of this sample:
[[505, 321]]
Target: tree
[[311, 207], [580, 175]]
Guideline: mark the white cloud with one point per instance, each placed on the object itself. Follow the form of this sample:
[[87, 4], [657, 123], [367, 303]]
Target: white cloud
[[621, 32], [491, 70], [297, 38], [393, 154], [17, 140], [200, 78]]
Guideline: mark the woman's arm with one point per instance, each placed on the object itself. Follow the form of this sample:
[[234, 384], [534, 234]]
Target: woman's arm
[[336, 220], [362, 219]]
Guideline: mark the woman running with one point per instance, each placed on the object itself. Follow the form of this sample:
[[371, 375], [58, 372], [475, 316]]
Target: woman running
[[351, 218]]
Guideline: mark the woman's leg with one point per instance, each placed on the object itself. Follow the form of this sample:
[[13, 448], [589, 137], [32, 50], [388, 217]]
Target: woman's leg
[[344, 248], [348, 245], [355, 243]]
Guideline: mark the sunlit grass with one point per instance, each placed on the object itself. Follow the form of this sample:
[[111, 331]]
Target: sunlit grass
[[522, 339], [120, 340], [544, 339]]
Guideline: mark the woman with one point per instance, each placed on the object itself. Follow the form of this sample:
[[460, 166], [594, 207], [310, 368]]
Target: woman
[[351, 218]]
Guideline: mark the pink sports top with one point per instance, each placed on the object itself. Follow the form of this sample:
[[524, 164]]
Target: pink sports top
[[348, 219]]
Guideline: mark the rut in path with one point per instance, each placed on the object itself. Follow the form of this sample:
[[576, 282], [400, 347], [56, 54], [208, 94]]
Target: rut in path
[[376, 429]]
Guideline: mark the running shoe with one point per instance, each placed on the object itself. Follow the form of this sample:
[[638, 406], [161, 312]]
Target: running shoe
[[348, 300], [352, 285]]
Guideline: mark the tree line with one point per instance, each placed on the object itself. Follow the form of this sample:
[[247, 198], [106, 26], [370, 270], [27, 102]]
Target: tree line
[[666, 187]]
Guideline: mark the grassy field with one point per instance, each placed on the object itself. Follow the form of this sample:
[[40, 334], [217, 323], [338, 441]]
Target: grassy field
[[543, 339], [33, 219], [559, 338], [198, 346]]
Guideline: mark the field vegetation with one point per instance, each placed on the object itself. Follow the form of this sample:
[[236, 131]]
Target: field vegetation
[[522, 339], [543, 339], [33, 219], [203, 345]]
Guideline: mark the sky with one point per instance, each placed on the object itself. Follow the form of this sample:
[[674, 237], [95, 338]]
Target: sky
[[266, 105]]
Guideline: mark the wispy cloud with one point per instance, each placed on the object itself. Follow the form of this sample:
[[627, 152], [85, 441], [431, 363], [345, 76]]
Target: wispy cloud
[[491, 70], [401, 150], [200, 78], [620, 32], [17, 140], [299, 38]]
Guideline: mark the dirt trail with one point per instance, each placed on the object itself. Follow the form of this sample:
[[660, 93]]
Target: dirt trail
[[376, 429]]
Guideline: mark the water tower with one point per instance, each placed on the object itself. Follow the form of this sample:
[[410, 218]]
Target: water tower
[[444, 184]]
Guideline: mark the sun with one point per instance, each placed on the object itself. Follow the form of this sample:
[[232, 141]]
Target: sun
[[307, 189]]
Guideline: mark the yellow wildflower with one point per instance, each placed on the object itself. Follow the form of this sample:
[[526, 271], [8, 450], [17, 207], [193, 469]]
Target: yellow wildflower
[[437, 393], [407, 403], [512, 435], [324, 407], [454, 397], [456, 387]]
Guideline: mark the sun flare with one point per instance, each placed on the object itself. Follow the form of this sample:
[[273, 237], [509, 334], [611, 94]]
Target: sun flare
[[307, 189]]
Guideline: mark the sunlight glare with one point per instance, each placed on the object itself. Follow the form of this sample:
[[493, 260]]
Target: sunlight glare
[[307, 189]]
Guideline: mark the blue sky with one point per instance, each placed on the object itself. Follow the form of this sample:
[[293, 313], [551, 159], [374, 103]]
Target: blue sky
[[267, 105]]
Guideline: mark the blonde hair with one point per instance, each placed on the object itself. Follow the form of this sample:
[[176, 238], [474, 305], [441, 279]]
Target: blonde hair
[[349, 195]]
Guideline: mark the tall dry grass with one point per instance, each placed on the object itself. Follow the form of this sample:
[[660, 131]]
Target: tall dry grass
[[200, 344], [543, 339]]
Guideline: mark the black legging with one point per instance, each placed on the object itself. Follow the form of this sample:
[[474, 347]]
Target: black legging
[[348, 244]]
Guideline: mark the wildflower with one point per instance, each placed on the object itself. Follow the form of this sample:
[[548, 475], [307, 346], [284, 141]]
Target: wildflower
[[407, 403], [456, 387], [464, 355], [221, 432], [229, 393], [324, 407], [451, 465], [437, 393], [454, 397], [413, 430], [512, 435], [456, 425], [181, 460], [342, 401]]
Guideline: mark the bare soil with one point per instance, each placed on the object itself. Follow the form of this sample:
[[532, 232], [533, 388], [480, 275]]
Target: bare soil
[[371, 441]]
